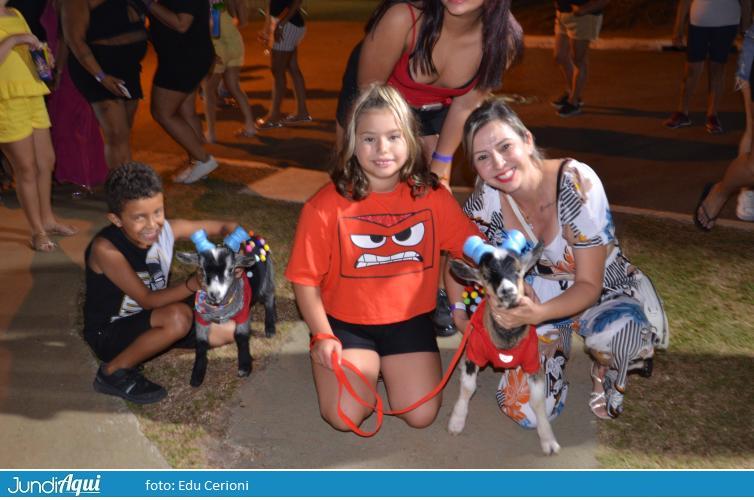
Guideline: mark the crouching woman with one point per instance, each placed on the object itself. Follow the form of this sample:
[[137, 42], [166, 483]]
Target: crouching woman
[[583, 283]]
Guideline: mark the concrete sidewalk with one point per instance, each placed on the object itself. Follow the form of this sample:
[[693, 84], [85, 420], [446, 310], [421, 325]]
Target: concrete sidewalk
[[49, 415]]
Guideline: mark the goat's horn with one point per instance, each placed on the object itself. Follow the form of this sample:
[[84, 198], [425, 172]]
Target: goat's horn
[[475, 248], [234, 239], [201, 242]]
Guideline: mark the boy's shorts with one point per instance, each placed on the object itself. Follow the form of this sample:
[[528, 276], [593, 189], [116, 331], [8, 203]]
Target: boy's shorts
[[20, 115], [416, 334], [575, 27], [120, 334], [714, 43]]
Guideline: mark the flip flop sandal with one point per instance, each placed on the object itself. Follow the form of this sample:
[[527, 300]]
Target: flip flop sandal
[[297, 119], [41, 242], [242, 132], [700, 206], [263, 124]]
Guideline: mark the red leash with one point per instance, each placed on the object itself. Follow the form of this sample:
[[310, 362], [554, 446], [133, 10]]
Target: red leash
[[343, 382]]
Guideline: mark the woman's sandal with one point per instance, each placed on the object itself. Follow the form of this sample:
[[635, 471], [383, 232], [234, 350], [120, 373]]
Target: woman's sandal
[[61, 230], [245, 133], [41, 242], [700, 208], [263, 124], [297, 119], [597, 400]]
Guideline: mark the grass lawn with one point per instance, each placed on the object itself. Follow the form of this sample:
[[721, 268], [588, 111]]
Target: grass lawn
[[695, 411]]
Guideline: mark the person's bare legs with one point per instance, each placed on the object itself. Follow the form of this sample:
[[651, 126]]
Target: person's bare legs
[[716, 83], [299, 86], [209, 87], [44, 155], [562, 54], [188, 113], [368, 362], [739, 174], [688, 84], [578, 52], [21, 156], [166, 110], [115, 117], [279, 61], [232, 79], [169, 324], [410, 377]]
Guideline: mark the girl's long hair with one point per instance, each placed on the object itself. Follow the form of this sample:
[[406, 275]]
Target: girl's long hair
[[348, 176], [502, 38]]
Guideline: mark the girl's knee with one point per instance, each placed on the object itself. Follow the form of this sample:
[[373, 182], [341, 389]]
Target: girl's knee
[[423, 416], [332, 417]]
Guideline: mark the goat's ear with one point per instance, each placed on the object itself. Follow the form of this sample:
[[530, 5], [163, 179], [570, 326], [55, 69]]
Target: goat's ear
[[530, 258], [188, 257], [244, 260], [465, 272]]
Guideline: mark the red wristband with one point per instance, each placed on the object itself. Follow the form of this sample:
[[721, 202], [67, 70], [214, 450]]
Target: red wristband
[[316, 337]]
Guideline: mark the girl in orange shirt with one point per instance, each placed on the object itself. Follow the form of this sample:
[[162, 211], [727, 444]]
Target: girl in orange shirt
[[366, 262]]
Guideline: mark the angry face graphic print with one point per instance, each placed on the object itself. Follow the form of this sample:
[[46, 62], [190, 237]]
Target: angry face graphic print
[[385, 245]]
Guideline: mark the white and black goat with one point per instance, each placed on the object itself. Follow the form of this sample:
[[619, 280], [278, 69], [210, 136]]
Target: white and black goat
[[501, 272], [227, 294]]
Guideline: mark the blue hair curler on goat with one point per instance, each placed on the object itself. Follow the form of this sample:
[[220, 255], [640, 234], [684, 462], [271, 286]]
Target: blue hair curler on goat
[[475, 248], [234, 239], [201, 242], [514, 242]]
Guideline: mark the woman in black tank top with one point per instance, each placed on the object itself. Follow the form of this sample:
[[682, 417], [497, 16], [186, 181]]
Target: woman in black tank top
[[108, 40]]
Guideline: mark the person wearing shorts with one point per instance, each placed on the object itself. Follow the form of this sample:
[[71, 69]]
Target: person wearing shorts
[[289, 31], [713, 26], [577, 24], [181, 37], [229, 57]]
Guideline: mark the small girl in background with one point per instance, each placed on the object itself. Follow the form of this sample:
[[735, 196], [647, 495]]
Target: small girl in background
[[229, 57], [25, 129], [365, 262]]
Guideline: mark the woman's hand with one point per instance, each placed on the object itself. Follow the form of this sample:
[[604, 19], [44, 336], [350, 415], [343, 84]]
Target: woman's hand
[[113, 84], [27, 39], [527, 312], [322, 352], [460, 319]]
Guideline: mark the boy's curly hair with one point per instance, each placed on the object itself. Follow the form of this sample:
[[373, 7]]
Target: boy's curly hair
[[348, 176], [130, 181]]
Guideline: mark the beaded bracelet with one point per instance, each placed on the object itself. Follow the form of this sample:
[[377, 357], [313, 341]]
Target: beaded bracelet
[[100, 76]]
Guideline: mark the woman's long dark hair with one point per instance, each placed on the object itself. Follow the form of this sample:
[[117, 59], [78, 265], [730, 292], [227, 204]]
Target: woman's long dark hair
[[502, 37]]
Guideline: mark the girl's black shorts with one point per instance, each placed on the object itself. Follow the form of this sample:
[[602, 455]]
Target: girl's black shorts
[[416, 334]]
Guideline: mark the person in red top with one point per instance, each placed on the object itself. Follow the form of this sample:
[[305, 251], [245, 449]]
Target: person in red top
[[365, 262], [443, 56]]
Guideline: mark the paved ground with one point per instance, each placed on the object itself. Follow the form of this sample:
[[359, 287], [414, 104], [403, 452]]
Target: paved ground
[[49, 416]]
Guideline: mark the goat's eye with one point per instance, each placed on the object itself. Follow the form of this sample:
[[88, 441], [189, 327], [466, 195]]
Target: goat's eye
[[368, 240], [410, 237]]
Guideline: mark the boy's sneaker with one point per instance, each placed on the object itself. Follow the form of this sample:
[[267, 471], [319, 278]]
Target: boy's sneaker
[[129, 385], [561, 101], [200, 170], [569, 109], [745, 205], [677, 120], [713, 125]]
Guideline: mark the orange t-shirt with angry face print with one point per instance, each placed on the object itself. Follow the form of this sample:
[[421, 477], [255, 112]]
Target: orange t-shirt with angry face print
[[377, 260]]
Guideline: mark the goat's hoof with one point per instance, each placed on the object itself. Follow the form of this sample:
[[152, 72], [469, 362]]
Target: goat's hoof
[[456, 425], [196, 381], [269, 333], [243, 372], [550, 447]]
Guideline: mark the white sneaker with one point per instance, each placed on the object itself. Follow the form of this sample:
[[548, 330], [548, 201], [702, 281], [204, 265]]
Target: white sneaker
[[745, 205], [200, 170]]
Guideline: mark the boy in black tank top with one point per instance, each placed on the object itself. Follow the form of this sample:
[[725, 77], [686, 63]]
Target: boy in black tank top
[[130, 313]]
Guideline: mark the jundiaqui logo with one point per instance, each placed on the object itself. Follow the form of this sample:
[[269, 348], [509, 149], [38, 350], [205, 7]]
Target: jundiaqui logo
[[66, 486]]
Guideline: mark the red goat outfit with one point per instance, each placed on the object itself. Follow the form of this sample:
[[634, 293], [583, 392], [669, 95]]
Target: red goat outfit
[[481, 351]]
